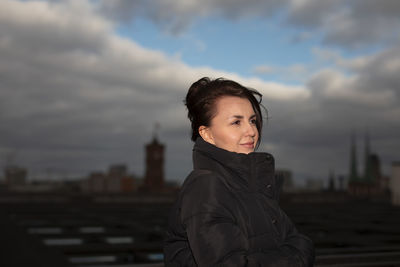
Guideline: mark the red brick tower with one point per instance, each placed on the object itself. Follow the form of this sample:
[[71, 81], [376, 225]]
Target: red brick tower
[[154, 178]]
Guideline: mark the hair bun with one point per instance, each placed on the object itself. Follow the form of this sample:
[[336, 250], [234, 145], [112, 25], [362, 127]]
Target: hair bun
[[195, 90]]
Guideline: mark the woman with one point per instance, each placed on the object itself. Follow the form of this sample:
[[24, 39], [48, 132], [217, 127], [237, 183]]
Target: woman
[[227, 212]]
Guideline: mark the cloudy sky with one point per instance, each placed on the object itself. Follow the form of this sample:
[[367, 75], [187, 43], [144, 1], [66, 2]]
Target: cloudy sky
[[83, 83]]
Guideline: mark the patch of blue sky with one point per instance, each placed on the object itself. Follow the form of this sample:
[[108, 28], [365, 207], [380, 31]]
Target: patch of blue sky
[[233, 46], [149, 35]]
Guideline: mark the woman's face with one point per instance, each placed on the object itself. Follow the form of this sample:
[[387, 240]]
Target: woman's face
[[233, 127]]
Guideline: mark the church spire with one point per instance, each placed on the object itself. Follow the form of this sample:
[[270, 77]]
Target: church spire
[[367, 159], [353, 173], [156, 130]]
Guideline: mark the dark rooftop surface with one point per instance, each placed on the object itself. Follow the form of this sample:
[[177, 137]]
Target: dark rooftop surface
[[115, 230]]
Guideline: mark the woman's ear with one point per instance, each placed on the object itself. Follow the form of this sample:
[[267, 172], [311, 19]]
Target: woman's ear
[[205, 133]]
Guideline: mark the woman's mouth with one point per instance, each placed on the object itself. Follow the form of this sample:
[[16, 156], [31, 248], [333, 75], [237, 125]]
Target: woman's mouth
[[248, 145]]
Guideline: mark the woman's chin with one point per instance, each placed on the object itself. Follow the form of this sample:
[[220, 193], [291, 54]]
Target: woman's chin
[[246, 150]]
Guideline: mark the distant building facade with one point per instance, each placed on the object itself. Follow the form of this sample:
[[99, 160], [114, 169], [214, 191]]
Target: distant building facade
[[314, 184], [395, 183], [15, 175], [116, 180], [287, 180]]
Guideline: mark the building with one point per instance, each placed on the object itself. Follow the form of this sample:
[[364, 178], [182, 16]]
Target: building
[[395, 183], [353, 171], [154, 177], [342, 184], [314, 184], [369, 183], [287, 180], [116, 180], [331, 182], [15, 176]]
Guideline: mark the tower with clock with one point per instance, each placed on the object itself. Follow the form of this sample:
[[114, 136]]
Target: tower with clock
[[154, 177]]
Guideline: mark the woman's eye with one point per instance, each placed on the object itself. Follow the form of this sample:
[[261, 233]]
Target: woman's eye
[[236, 122], [253, 121]]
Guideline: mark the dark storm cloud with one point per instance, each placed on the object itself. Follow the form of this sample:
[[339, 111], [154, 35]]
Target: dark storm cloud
[[67, 85], [382, 72], [349, 23]]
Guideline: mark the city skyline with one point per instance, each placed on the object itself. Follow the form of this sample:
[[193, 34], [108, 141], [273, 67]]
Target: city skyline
[[84, 82], [358, 168]]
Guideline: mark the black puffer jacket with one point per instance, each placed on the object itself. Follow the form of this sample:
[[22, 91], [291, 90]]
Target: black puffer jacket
[[227, 214]]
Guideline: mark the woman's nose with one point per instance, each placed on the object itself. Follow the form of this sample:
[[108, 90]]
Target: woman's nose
[[251, 129]]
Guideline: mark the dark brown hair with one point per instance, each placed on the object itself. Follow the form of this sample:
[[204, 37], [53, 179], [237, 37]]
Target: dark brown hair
[[203, 94]]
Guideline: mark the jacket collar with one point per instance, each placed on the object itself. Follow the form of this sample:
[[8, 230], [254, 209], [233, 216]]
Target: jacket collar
[[254, 171]]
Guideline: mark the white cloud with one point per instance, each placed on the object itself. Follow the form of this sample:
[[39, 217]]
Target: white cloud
[[295, 72], [335, 58], [331, 84], [264, 69]]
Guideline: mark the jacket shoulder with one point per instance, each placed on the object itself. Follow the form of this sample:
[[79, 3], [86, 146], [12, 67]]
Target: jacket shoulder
[[204, 181], [203, 191]]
